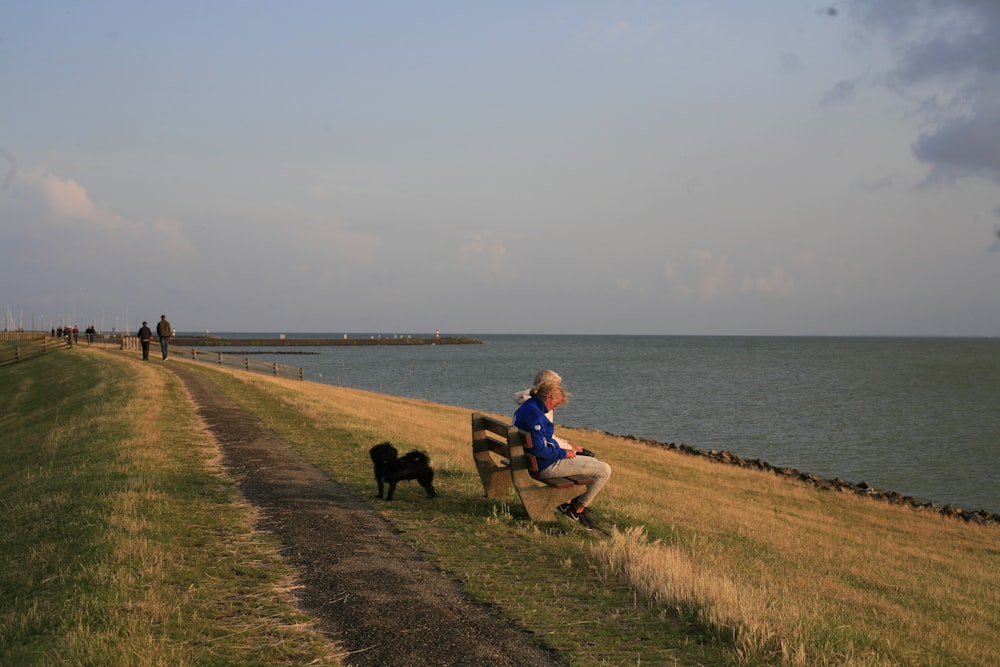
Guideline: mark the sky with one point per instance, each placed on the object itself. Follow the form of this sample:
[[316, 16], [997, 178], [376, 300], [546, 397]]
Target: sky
[[672, 168]]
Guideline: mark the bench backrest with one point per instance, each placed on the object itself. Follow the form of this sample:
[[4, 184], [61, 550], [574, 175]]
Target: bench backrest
[[502, 460], [491, 451]]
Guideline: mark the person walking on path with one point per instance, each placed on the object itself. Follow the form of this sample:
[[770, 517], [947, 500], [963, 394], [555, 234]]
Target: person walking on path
[[164, 332], [145, 335], [553, 460]]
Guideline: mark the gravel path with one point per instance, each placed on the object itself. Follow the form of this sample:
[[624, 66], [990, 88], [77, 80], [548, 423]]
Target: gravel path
[[369, 590]]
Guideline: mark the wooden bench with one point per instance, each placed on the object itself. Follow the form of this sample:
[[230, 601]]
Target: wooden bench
[[502, 459]]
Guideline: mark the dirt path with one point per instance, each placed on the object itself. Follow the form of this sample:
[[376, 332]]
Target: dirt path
[[369, 590]]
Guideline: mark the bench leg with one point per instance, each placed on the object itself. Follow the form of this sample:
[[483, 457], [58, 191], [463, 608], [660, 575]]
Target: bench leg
[[541, 501], [495, 480]]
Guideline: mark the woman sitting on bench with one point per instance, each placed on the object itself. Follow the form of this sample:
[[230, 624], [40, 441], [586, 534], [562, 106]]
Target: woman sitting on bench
[[553, 460]]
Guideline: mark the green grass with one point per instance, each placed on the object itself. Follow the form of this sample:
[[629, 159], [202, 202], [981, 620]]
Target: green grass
[[713, 564], [122, 544], [539, 576]]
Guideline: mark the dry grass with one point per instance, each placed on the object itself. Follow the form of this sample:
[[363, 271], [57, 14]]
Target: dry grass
[[782, 572], [124, 545]]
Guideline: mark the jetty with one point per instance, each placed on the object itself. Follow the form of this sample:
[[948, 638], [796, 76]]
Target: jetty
[[287, 341]]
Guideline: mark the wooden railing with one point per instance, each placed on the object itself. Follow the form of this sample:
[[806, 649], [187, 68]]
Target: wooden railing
[[28, 347], [21, 335], [220, 359], [20, 345]]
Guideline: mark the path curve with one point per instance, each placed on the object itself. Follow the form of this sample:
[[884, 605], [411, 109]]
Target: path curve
[[368, 589]]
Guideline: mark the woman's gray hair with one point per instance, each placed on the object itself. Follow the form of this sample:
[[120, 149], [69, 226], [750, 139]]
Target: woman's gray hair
[[550, 387], [547, 374]]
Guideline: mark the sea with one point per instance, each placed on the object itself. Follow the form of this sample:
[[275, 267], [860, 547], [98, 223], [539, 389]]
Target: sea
[[918, 416]]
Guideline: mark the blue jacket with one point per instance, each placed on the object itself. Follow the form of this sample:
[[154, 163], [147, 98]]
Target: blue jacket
[[531, 419]]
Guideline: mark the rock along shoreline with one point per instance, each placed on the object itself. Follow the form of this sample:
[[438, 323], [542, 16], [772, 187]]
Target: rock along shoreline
[[863, 489], [723, 456]]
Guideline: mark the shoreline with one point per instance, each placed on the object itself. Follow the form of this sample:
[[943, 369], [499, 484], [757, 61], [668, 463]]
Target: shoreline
[[836, 484], [724, 456]]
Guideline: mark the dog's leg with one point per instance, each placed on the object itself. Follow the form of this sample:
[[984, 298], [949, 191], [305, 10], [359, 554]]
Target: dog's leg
[[427, 481], [392, 489]]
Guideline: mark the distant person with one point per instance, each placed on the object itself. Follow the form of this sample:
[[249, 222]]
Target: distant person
[[91, 331], [553, 460], [145, 336], [164, 331]]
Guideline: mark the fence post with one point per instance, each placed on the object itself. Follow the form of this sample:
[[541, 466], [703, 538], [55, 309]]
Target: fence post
[[220, 357], [17, 353]]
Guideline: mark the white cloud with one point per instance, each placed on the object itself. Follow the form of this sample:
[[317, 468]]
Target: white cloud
[[68, 201], [64, 202], [716, 273], [703, 272], [485, 253], [777, 281]]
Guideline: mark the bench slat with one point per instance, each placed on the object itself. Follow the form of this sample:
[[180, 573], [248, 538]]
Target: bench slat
[[566, 482], [494, 438]]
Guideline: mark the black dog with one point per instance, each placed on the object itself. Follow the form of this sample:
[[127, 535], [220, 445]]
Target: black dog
[[391, 468]]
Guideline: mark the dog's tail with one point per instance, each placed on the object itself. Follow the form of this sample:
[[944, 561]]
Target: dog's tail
[[417, 456]]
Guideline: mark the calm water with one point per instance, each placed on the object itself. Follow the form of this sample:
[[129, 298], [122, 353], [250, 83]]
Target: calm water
[[913, 415]]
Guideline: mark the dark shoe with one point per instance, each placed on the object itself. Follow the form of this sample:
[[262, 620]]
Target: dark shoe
[[587, 518], [569, 511]]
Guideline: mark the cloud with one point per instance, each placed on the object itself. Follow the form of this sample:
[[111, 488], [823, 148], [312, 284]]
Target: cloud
[[715, 273], [711, 275], [841, 92], [11, 168], [68, 202], [946, 53], [966, 145], [775, 282], [485, 253], [42, 200], [703, 273]]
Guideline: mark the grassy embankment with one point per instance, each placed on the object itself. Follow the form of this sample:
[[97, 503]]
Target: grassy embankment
[[714, 564], [122, 543]]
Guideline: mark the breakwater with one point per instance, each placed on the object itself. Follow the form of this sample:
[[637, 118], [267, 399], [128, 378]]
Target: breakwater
[[218, 341]]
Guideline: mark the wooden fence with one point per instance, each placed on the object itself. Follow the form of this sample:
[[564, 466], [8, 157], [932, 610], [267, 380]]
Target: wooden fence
[[220, 359], [6, 336], [29, 346]]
